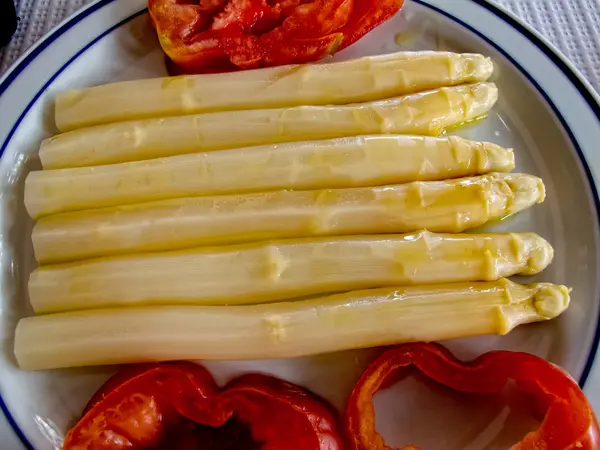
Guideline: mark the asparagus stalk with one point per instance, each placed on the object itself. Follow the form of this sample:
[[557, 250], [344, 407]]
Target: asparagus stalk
[[427, 113], [345, 321], [338, 163], [359, 80], [270, 271], [439, 206]]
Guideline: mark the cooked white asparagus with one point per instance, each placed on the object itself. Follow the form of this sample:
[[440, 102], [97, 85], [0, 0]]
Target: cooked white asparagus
[[439, 206], [427, 113], [359, 80], [345, 321], [336, 163], [269, 271]]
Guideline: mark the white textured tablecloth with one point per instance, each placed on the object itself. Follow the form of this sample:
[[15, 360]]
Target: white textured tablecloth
[[571, 25]]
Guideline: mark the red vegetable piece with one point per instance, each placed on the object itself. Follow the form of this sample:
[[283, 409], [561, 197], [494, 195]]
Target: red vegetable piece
[[367, 15], [214, 35], [179, 406], [568, 420]]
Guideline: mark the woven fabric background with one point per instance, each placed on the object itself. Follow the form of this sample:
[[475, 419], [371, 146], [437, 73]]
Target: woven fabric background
[[571, 25]]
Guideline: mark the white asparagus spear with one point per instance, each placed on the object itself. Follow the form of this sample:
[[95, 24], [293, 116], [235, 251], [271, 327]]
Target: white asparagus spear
[[439, 206], [337, 163], [345, 321], [427, 113], [270, 271], [359, 80]]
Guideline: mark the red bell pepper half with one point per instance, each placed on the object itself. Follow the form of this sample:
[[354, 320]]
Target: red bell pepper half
[[179, 406], [568, 421], [221, 35]]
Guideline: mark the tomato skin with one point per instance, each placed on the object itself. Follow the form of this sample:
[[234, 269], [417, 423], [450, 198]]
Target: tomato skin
[[366, 16], [179, 406], [223, 35], [568, 420]]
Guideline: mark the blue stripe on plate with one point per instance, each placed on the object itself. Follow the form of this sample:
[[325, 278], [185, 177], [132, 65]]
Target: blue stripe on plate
[[573, 77], [15, 71], [585, 93], [6, 84], [53, 77]]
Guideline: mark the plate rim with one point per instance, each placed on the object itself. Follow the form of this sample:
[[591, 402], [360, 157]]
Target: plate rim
[[15, 69], [574, 76], [584, 88], [589, 94]]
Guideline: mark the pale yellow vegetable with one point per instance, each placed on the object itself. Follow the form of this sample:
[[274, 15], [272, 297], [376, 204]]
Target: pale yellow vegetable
[[345, 321], [359, 80], [441, 206], [337, 163], [427, 113], [269, 271]]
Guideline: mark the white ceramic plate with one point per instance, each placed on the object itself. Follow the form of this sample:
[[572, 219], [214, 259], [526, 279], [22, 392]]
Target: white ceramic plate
[[546, 112]]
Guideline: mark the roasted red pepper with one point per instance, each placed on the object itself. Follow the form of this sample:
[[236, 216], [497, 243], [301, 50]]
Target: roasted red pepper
[[568, 421], [220, 35], [178, 406]]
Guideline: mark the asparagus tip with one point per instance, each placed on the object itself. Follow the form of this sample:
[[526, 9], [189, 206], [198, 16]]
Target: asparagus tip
[[551, 300]]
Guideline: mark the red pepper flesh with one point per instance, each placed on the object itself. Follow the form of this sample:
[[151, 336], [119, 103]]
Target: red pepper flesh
[[568, 420], [179, 406], [220, 35]]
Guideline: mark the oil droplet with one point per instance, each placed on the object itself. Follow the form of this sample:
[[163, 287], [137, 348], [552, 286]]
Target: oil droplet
[[456, 126], [404, 38]]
